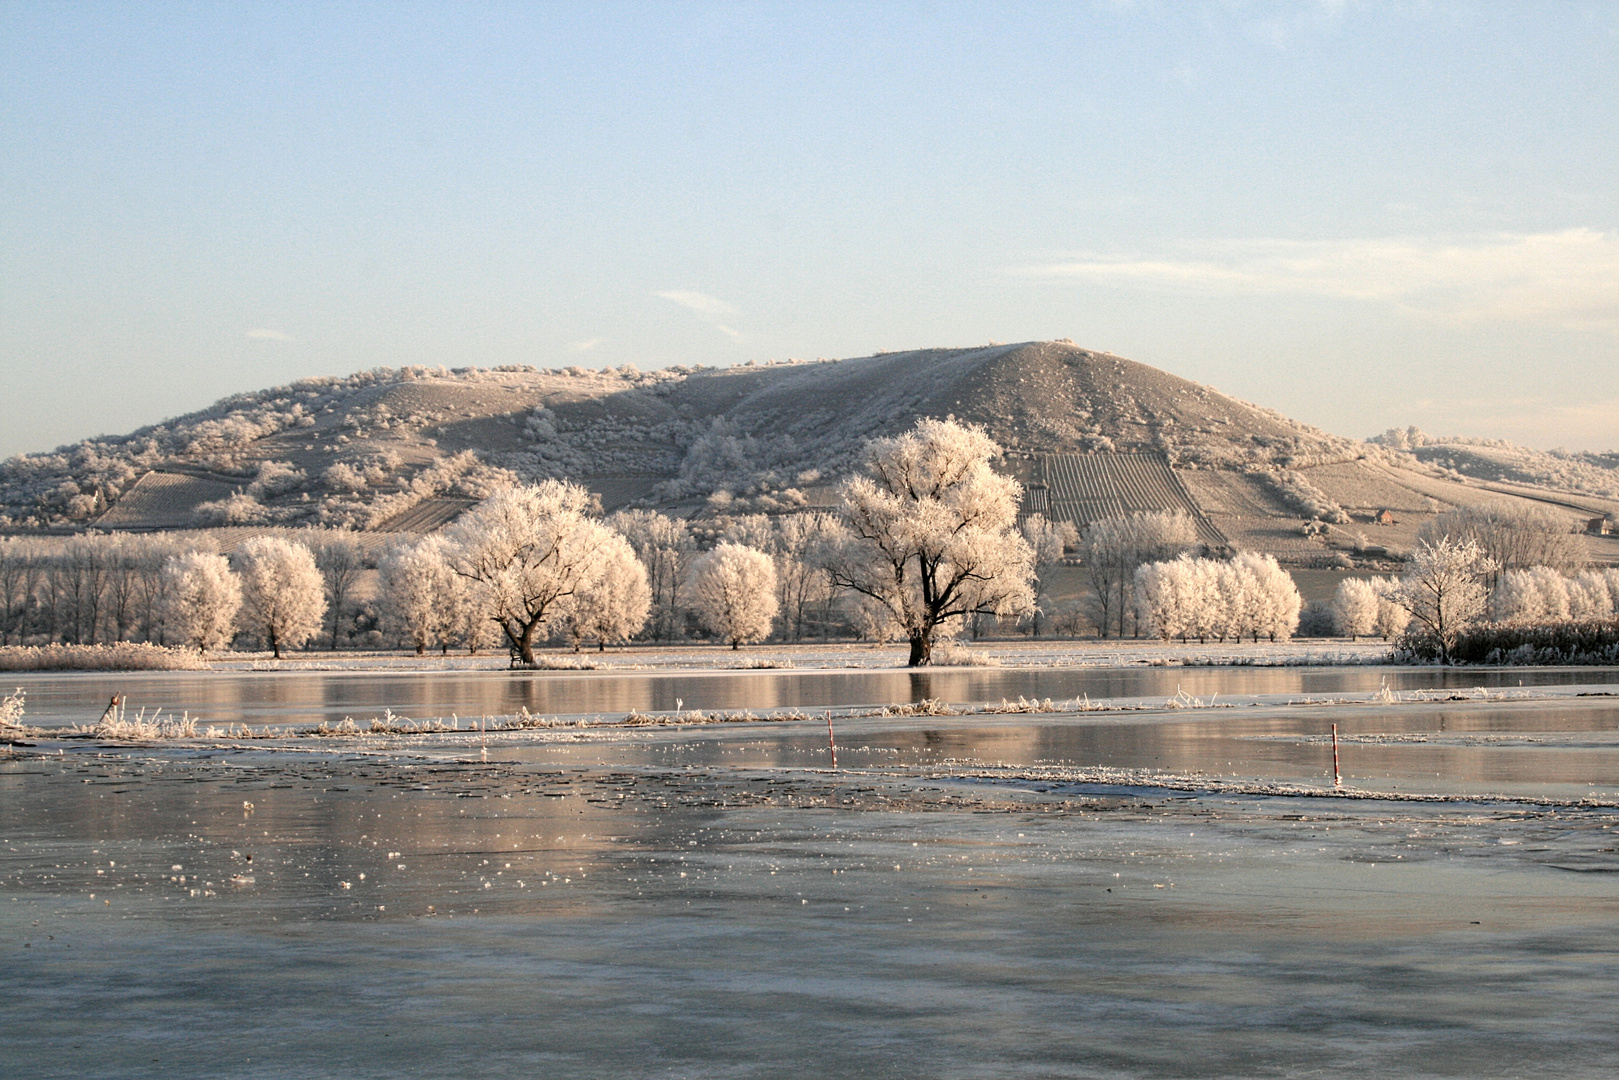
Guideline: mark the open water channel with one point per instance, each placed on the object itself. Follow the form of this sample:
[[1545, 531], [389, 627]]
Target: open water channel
[[1154, 892]]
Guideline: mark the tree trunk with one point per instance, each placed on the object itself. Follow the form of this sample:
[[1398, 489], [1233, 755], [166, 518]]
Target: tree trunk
[[921, 650], [275, 645], [525, 644]]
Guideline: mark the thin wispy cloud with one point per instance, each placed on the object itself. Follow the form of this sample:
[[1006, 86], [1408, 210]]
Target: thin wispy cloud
[[711, 309], [265, 334], [1568, 278], [586, 345], [701, 303]]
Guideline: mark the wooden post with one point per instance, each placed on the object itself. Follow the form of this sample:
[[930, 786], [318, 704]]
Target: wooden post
[[831, 742], [1337, 778]]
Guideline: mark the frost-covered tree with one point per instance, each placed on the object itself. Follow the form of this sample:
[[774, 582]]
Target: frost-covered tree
[[756, 531], [665, 547], [805, 545], [1048, 540], [612, 606], [341, 563], [1541, 596], [1203, 598], [1277, 599], [283, 594], [733, 592], [1510, 536], [201, 599], [1166, 595], [1444, 590], [1392, 618], [526, 551], [21, 563], [1589, 596], [1112, 548], [1532, 597], [1354, 607], [152, 585], [417, 593], [932, 532]]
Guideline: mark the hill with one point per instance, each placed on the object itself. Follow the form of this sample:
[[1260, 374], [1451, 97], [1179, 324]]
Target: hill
[[408, 449]]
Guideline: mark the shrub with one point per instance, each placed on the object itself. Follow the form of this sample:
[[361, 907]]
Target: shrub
[[1565, 643], [124, 656]]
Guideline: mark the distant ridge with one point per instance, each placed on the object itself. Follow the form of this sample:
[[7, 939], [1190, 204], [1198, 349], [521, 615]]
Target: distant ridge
[[406, 450]]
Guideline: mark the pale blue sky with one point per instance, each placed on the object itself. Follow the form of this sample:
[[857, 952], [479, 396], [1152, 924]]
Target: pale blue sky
[[1359, 214]]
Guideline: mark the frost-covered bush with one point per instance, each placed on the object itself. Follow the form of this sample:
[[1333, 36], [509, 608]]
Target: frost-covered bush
[[1568, 643], [237, 508], [343, 478], [276, 478], [1302, 496]]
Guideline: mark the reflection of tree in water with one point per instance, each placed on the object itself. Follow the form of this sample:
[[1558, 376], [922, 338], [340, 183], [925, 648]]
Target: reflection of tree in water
[[921, 685]]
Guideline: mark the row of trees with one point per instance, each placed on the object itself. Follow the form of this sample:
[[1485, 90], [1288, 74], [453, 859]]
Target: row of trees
[[1249, 595], [926, 539], [102, 588], [1515, 565], [1541, 596]]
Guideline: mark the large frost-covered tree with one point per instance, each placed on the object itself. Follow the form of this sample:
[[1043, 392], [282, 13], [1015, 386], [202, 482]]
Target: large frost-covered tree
[[1444, 590], [283, 593], [201, 597], [526, 551], [733, 591], [932, 532]]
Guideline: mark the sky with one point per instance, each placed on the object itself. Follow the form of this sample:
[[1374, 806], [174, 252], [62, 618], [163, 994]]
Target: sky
[[1360, 214]]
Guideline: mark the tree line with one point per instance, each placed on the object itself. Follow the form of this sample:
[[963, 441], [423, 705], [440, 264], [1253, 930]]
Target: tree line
[[927, 542], [1498, 563]]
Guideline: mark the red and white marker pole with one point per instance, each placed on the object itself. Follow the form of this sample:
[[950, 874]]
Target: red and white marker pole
[[1337, 778]]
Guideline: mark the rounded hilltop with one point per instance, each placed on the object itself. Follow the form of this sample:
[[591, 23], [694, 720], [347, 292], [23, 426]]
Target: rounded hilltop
[[407, 450]]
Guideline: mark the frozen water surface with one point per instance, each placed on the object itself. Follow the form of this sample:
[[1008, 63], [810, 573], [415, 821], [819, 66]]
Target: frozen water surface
[[309, 697], [1086, 895]]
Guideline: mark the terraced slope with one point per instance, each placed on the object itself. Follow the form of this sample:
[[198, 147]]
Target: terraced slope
[[1082, 488]]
